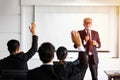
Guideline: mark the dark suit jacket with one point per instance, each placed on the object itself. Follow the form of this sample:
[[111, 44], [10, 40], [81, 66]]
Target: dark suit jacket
[[70, 69], [44, 72], [95, 36], [19, 61]]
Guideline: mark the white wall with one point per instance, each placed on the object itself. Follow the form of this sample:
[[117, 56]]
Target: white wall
[[9, 23]]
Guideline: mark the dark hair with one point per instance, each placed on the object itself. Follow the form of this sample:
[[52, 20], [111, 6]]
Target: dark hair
[[61, 53], [13, 45], [46, 52]]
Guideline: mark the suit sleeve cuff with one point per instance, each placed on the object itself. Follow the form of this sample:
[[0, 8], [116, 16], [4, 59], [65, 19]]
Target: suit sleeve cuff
[[81, 48]]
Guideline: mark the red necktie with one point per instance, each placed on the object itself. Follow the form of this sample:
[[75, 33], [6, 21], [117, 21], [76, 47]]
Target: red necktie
[[89, 42]]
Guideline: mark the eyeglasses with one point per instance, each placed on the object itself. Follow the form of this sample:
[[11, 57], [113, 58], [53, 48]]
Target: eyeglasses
[[87, 22]]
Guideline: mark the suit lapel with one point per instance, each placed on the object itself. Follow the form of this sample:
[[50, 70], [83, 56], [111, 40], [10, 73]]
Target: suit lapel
[[92, 34], [84, 32]]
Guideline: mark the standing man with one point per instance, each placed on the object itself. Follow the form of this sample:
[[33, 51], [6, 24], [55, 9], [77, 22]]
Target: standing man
[[91, 41]]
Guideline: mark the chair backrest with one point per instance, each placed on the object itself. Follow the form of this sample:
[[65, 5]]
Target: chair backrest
[[14, 74]]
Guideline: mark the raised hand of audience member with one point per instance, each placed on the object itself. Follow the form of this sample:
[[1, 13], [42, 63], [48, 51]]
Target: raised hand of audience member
[[76, 38], [32, 28]]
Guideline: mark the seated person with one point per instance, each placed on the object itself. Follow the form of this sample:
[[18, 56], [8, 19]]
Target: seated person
[[17, 60], [46, 70], [65, 70]]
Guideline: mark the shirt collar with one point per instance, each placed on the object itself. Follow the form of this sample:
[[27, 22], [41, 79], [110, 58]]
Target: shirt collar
[[50, 63]]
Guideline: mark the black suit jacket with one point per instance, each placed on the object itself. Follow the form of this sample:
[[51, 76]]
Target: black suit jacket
[[19, 61], [70, 69], [95, 36], [44, 72]]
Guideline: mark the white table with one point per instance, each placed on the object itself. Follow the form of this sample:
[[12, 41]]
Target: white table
[[113, 74]]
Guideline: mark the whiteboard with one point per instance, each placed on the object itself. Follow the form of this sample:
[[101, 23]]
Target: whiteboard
[[56, 22]]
